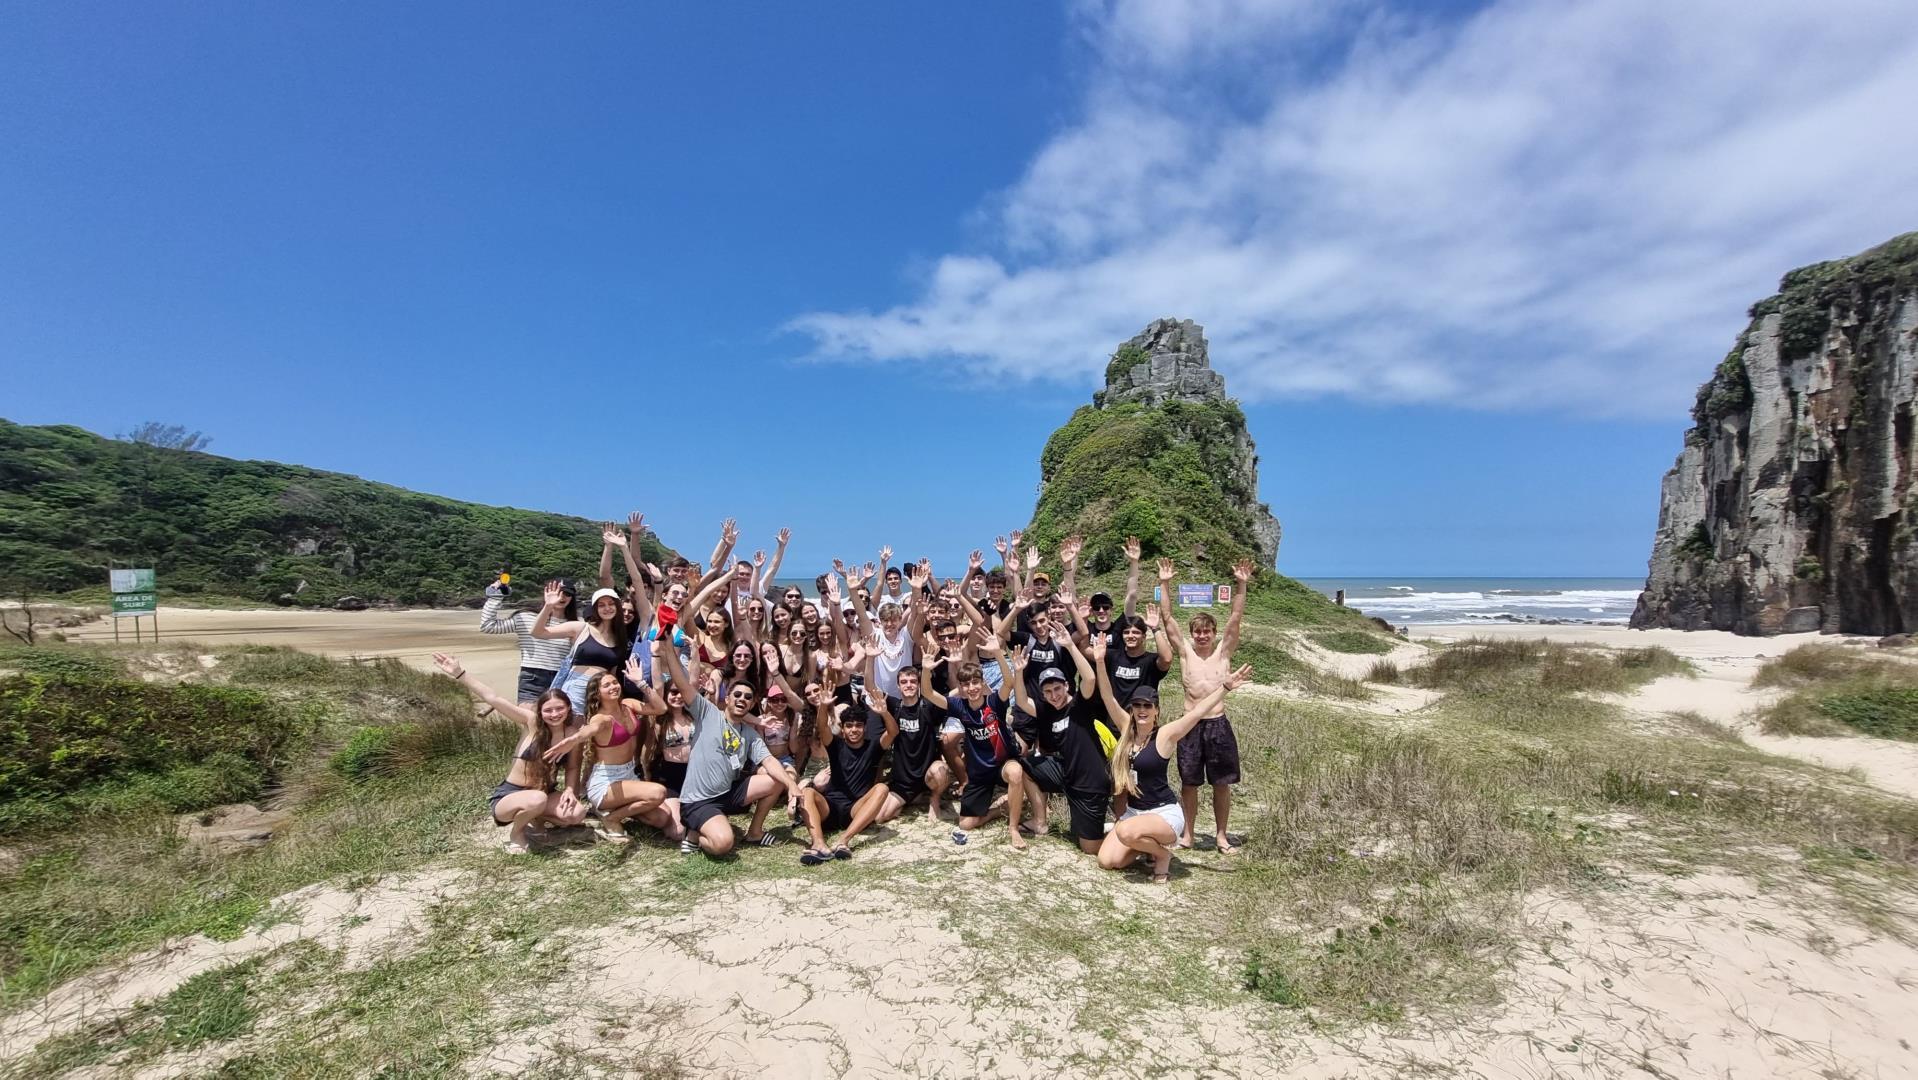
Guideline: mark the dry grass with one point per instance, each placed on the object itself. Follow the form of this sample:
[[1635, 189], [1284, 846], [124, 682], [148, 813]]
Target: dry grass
[[1837, 690]]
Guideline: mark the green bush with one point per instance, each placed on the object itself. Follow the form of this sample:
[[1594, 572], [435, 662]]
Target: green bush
[[59, 735], [1352, 641], [371, 752], [53, 660], [1888, 712]]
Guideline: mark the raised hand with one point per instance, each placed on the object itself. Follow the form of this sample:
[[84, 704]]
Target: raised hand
[[555, 596], [1084, 608], [759, 559], [1152, 618], [784, 537], [729, 531], [1239, 678], [1165, 570], [1069, 551], [976, 561], [634, 673], [928, 644], [635, 525], [999, 545], [832, 589], [1132, 550], [1242, 571], [866, 572], [839, 567], [1096, 648], [769, 655], [450, 665], [1015, 536], [885, 553], [610, 533], [1032, 559], [919, 575], [991, 646], [1017, 659]]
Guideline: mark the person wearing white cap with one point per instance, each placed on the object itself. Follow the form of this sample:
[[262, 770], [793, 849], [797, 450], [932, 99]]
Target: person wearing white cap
[[599, 641]]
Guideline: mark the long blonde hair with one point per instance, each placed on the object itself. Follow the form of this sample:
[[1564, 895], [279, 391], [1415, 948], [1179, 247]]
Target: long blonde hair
[[1122, 754]]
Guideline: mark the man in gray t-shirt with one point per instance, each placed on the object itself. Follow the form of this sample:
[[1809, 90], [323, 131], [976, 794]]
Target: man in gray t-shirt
[[729, 769]]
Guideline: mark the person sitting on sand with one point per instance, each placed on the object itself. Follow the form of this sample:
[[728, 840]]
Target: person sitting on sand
[[916, 766], [729, 770], [527, 794], [539, 658], [1153, 819], [992, 751], [616, 728], [1209, 753], [851, 796], [1070, 761]]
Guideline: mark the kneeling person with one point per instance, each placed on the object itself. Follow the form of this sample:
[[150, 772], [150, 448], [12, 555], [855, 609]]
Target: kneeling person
[[992, 752]]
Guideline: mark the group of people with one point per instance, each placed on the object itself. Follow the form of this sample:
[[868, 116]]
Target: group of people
[[692, 696]]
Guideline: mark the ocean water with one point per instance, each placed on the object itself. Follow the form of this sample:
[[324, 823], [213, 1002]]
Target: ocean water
[[1601, 601]]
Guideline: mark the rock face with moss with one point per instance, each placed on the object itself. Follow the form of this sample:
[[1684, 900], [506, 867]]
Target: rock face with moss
[[1791, 506], [1161, 454]]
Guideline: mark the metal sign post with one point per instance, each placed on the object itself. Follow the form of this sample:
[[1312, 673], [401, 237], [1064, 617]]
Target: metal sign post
[[134, 597]]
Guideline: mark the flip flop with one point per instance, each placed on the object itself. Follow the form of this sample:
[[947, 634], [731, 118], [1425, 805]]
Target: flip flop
[[607, 834], [766, 839], [842, 852], [687, 846], [813, 857], [959, 837]]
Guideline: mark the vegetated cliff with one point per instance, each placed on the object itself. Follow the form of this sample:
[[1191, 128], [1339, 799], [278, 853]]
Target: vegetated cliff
[[71, 501], [1161, 454], [1791, 506]]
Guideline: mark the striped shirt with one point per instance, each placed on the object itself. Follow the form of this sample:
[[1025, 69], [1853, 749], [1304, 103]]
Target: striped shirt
[[542, 654]]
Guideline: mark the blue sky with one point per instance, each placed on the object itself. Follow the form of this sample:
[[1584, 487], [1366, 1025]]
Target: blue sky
[[845, 267]]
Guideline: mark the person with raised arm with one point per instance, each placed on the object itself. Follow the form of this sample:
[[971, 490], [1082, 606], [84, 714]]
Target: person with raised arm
[[729, 769], [992, 750], [766, 579], [615, 731], [1133, 552], [898, 628], [598, 642], [1209, 753], [528, 794], [1070, 761], [852, 794], [916, 766], [539, 658], [1153, 819]]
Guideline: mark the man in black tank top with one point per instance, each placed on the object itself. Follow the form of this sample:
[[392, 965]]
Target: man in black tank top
[[852, 795]]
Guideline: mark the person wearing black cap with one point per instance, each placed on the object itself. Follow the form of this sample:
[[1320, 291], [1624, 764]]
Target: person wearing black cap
[[1153, 819], [1070, 762]]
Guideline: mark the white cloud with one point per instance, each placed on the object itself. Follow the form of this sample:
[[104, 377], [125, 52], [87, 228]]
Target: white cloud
[[1542, 205]]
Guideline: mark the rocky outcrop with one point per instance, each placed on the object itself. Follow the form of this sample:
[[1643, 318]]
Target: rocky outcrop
[[1162, 454], [1790, 507]]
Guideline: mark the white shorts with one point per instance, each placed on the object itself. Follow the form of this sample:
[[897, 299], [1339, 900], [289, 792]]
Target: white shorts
[[603, 777], [1173, 814], [575, 687]]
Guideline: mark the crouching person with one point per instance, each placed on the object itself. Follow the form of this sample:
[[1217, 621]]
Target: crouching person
[[852, 796]]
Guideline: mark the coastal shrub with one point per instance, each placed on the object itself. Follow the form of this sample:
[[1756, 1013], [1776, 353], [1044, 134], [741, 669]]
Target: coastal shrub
[[370, 752], [1548, 666], [59, 735], [1888, 712], [56, 661], [1383, 671], [1808, 664], [1352, 641]]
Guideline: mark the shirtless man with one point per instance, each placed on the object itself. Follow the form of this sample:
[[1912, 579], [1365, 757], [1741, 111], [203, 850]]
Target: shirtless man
[[1209, 754]]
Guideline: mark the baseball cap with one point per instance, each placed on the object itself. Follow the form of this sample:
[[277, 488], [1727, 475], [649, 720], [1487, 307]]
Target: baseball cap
[[1101, 600], [600, 593], [1144, 693], [1051, 674], [1041, 575]]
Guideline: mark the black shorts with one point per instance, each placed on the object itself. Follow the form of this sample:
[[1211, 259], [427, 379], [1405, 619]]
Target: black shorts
[[1046, 770], [980, 784], [670, 775], [506, 787], [534, 681], [694, 814], [1209, 754], [1088, 810], [838, 809]]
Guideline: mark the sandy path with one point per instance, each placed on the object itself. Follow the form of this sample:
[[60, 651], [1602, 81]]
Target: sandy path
[[412, 635]]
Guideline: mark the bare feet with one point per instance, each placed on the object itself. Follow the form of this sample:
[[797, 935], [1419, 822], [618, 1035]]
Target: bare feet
[[1018, 842]]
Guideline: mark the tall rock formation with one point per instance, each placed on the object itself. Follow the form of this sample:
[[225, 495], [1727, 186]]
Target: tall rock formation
[[1161, 454], [1791, 506]]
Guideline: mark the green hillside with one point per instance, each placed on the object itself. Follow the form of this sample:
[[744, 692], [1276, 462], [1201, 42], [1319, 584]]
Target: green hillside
[[72, 502]]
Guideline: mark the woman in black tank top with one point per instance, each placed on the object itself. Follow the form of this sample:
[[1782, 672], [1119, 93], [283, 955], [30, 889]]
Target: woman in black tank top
[[1153, 820]]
